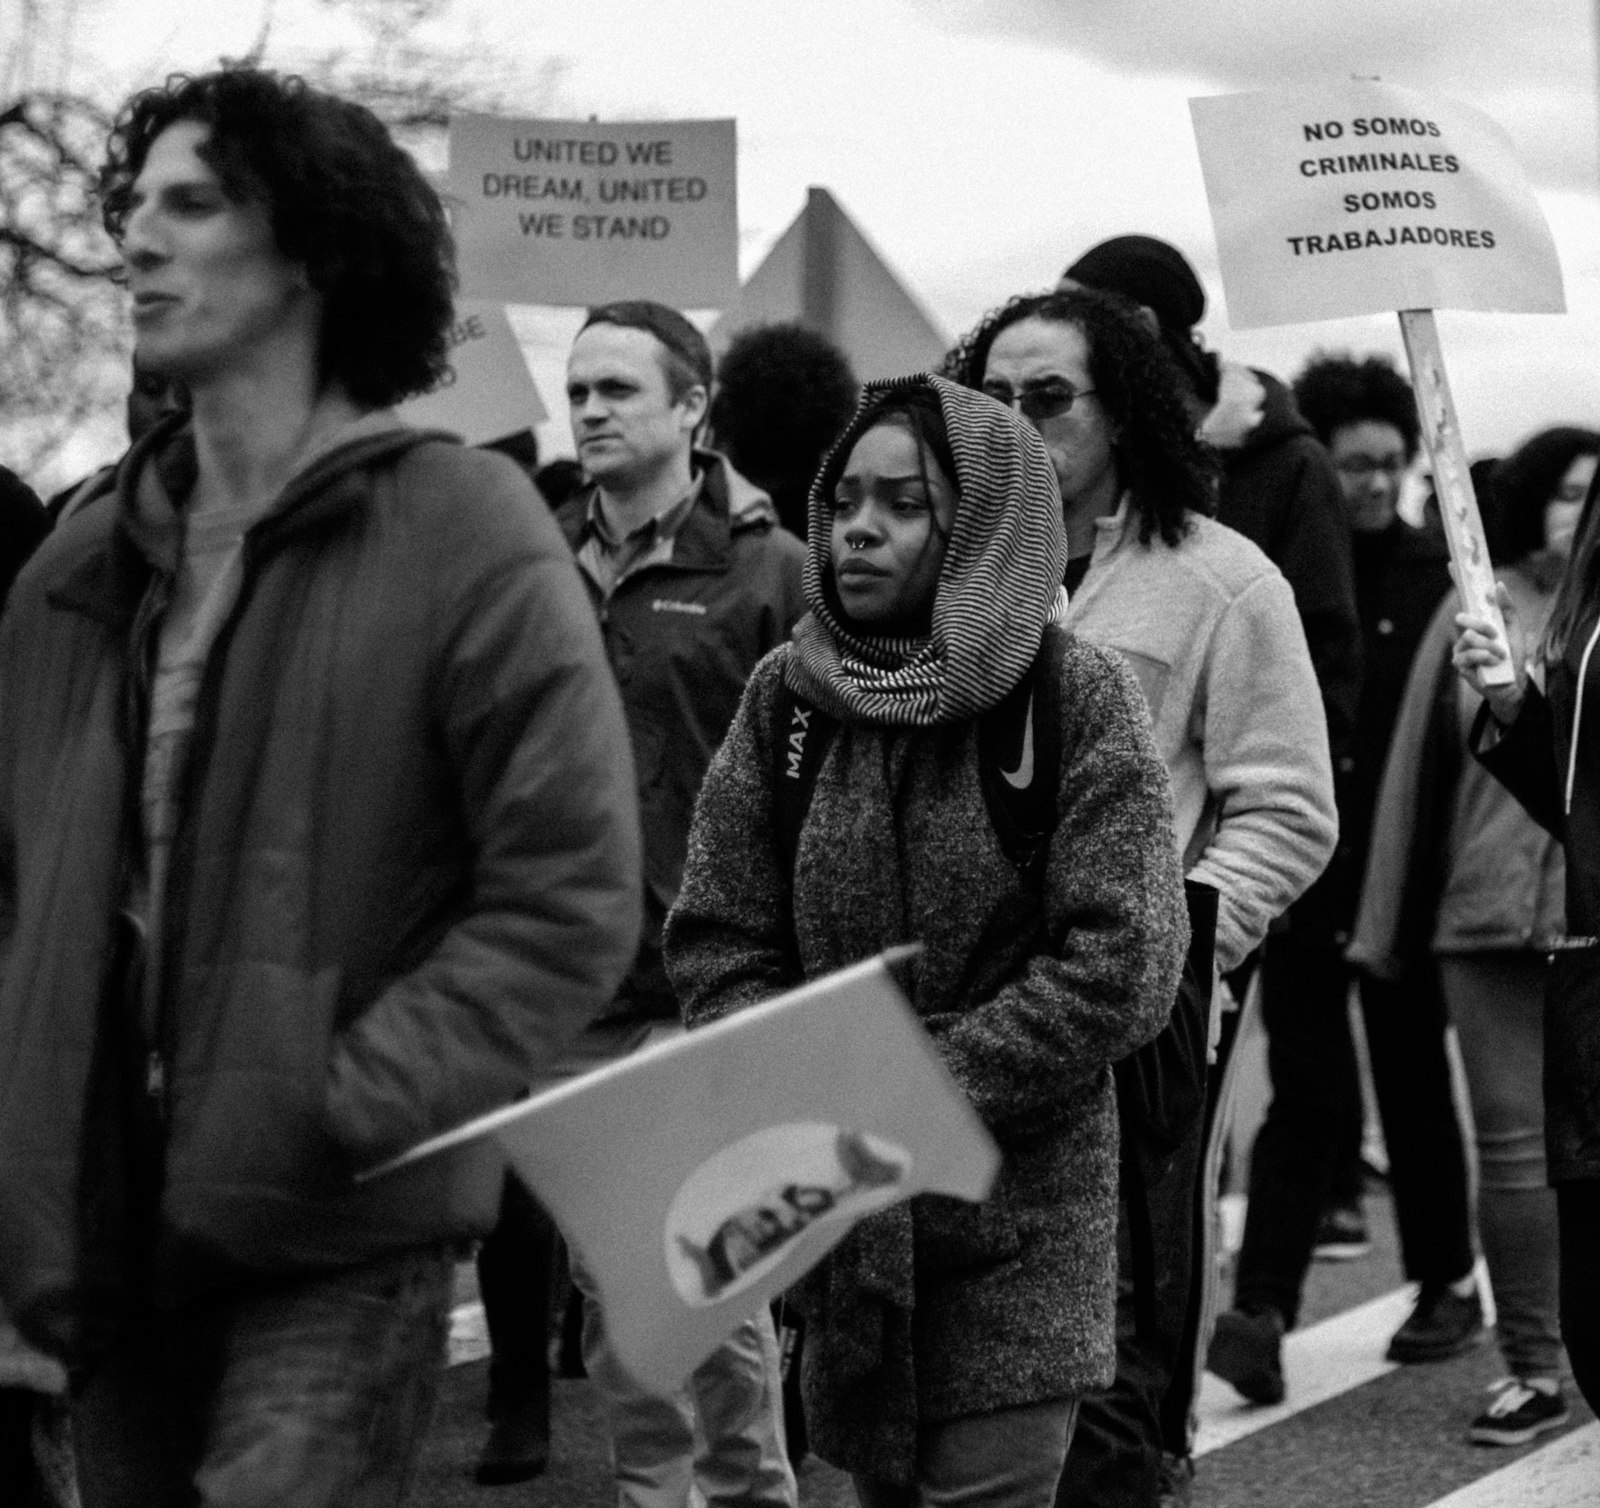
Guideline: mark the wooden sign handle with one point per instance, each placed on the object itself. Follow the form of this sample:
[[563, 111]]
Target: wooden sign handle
[[1452, 483]]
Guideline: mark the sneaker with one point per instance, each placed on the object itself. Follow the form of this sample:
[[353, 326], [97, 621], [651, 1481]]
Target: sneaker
[[1442, 1325], [1342, 1235], [1246, 1352], [1518, 1414]]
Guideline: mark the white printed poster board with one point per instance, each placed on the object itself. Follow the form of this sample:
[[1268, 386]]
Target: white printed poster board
[[571, 212], [487, 393], [1362, 198], [703, 1176]]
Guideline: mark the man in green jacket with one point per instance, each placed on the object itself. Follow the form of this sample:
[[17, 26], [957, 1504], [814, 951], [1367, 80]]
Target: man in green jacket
[[693, 582], [316, 830]]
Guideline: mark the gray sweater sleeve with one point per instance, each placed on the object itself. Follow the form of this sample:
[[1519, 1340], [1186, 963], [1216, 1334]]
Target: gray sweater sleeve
[[1265, 745]]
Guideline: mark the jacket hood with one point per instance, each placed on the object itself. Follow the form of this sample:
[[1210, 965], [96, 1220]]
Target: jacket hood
[[749, 507], [999, 587], [1253, 410], [158, 472]]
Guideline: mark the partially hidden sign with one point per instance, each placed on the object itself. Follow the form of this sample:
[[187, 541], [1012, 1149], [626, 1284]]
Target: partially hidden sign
[[572, 212], [703, 1176], [487, 392], [1361, 198]]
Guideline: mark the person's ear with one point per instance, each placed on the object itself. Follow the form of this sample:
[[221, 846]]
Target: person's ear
[[695, 403]]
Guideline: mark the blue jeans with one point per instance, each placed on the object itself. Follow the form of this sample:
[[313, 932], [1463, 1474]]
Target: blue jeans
[[314, 1391], [1011, 1458]]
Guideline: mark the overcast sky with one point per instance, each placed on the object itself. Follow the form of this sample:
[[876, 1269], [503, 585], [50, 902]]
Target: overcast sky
[[982, 144]]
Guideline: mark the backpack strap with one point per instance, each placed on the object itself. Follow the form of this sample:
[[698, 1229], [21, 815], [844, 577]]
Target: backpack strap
[[803, 733], [1019, 759]]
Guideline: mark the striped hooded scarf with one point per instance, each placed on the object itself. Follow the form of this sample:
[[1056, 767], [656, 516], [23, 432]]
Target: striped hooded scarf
[[999, 586]]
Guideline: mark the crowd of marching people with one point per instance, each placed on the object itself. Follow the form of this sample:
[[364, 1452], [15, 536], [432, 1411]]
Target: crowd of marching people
[[354, 783]]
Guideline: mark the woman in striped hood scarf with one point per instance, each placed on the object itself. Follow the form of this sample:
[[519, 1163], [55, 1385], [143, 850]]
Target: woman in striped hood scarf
[[947, 1343]]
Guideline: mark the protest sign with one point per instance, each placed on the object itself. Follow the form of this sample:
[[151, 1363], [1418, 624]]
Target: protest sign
[[487, 393], [580, 212], [701, 1177], [1361, 198]]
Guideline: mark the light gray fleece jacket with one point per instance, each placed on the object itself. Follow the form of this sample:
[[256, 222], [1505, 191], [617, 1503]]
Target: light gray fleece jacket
[[1211, 632]]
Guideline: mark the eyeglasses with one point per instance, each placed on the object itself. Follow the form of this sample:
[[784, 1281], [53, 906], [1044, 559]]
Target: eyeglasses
[[1046, 401]]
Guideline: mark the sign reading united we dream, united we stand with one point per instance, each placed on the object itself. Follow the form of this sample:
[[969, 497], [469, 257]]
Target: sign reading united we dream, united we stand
[[579, 212], [1361, 198]]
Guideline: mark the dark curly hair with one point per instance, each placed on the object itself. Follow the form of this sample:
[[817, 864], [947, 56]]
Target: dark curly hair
[[1525, 481], [345, 202], [1168, 472], [784, 395], [1334, 391]]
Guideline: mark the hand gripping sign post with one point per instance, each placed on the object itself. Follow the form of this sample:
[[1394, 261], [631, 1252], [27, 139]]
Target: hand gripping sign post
[[579, 212], [703, 1176], [1360, 198]]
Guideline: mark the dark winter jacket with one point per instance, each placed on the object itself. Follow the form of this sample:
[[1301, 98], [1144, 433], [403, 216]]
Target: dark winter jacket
[[406, 873], [682, 639], [1559, 784], [1455, 864], [1030, 989], [1279, 490], [23, 523]]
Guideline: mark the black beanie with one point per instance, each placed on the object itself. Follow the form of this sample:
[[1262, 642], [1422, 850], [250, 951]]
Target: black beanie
[[1149, 272]]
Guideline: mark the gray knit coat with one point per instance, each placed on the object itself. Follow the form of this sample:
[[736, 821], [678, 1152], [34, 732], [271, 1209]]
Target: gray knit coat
[[939, 1309]]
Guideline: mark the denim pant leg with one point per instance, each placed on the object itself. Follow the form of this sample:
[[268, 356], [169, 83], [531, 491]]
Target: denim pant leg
[[312, 1391], [1405, 1025], [1314, 1114], [1497, 1003], [738, 1393], [1011, 1458], [724, 1427]]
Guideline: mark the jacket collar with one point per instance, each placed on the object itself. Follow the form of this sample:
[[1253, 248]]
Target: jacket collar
[[157, 474], [726, 504]]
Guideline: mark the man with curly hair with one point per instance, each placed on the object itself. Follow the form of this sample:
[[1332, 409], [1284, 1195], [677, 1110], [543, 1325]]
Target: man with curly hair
[[317, 833], [1208, 625]]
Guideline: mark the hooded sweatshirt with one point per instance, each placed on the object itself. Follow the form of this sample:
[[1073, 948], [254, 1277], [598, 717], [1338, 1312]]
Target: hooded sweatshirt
[[1030, 989]]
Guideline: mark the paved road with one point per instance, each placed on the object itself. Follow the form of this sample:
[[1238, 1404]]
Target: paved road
[[1355, 1433]]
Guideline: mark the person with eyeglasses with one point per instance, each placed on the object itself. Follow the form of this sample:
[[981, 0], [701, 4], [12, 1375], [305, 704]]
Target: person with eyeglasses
[[1209, 627]]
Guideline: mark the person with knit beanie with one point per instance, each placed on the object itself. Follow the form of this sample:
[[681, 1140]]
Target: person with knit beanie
[[947, 1344]]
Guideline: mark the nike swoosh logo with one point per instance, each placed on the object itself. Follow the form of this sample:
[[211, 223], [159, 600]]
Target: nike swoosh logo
[[1022, 777]]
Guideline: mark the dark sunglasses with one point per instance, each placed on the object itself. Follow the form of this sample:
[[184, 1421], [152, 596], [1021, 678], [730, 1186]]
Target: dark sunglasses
[[1038, 403]]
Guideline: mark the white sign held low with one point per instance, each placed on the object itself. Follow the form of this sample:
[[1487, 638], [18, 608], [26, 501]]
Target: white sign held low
[[582, 212], [703, 1176]]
